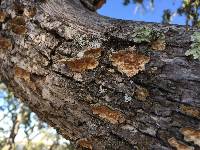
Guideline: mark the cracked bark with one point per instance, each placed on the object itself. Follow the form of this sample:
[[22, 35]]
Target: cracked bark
[[100, 108]]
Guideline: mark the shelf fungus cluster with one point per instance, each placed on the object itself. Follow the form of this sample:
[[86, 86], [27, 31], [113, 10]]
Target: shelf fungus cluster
[[112, 116], [129, 62], [88, 61]]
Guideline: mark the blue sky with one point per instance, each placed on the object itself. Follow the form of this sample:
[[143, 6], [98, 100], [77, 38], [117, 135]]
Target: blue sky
[[116, 9]]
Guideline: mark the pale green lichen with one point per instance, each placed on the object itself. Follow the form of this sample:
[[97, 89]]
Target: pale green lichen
[[195, 46], [146, 34]]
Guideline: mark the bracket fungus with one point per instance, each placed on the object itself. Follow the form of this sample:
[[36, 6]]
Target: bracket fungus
[[158, 45], [190, 111], [129, 62], [84, 143], [18, 7], [5, 43], [82, 64], [191, 135], [20, 73], [113, 116], [179, 145], [87, 61], [141, 93], [30, 12], [2, 16], [18, 25]]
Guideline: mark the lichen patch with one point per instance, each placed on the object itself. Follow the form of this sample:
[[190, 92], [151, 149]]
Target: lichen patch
[[129, 62], [85, 143], [5, 43], [179, 145], [2, 16], [113, 116], [191, 135], [82, 64]]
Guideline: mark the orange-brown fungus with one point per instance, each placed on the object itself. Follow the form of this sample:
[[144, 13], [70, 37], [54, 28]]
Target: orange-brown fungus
[[108, 114], [19, 8], [158, 45], [141, 93], [82, 64], [5, 43], [94, 52], [18, 25], [191, 134], [30, 12], [190, 111], [23, 74], [100, 3], [129, 62], [2, 16], [179, 145], [84, 143]]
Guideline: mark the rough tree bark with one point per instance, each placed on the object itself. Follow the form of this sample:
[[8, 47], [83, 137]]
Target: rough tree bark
[[80, 73]]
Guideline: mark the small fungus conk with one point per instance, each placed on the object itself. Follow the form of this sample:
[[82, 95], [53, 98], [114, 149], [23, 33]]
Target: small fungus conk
[[85, 143], [82, 64], [190, 111], [113, 116], [88, 61], [191, 135], [141, 93], [2, 16], [179, 145], [5, 43]]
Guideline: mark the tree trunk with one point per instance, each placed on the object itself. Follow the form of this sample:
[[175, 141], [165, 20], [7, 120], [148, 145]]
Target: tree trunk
[[84, 75]]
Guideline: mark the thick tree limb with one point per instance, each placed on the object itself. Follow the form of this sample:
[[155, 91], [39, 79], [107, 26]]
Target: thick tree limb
[[70, 66]]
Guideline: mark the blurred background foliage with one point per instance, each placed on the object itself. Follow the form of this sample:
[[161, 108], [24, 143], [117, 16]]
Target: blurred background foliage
[[189, 8], [21, 129], [186, 11]]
